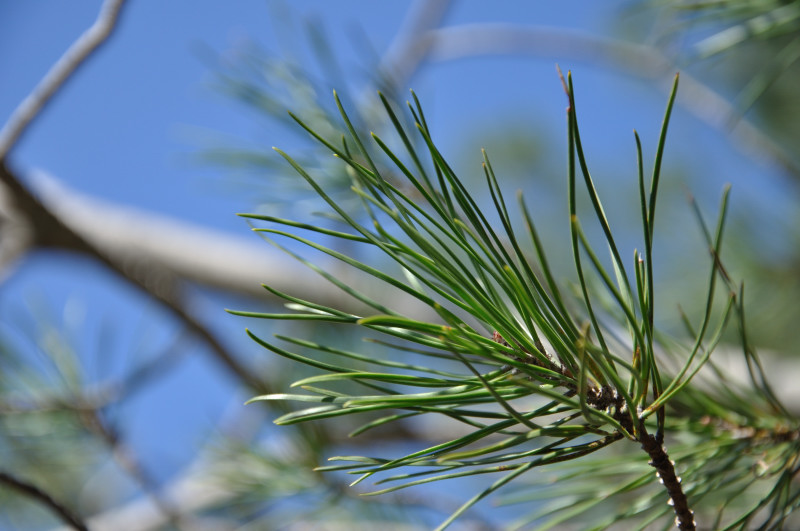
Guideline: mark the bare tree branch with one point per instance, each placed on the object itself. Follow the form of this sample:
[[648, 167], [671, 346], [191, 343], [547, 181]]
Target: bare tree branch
[[464, 41], [203, 255], [155, 281], [412, 44], [189, 494], [123, 454], [182, 251], [34, 492], [32, 105]]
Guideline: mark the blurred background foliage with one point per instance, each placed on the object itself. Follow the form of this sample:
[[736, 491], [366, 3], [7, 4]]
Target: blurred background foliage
[[61, 429], [749, 51]]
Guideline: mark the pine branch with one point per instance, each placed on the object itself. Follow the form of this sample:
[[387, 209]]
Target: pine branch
[[665, 471], [547, 379]]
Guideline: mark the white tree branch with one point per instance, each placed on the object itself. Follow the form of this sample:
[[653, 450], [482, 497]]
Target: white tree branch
[[412, 43], [464, 41], [184, 251], [75, 55]]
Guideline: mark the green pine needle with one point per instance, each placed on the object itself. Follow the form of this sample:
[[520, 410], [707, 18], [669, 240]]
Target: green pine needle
[[533, 378]]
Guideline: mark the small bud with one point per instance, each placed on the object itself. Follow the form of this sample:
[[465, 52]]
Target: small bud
[[670, 502]]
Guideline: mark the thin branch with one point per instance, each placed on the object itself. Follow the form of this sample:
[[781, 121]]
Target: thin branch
[[411, 46], [74, 57], [216, 259], [88, 402], [128, 461], [486, 39], [200, 255], [156, 282], [32, 491], [665, 470], [202, 488]]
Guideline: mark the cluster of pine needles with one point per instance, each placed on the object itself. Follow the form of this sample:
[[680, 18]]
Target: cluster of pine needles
[[535, 378]]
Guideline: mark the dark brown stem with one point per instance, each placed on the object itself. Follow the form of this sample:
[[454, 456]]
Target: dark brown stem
[[665, 470], [608, 399], [32, 491]]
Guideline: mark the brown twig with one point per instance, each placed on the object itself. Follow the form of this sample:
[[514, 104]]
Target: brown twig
[[128, 461], [608, 398], [665, 470], [32, 491]]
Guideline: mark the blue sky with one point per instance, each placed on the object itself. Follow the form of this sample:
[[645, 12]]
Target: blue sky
[[129, 119], [126, 128]]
